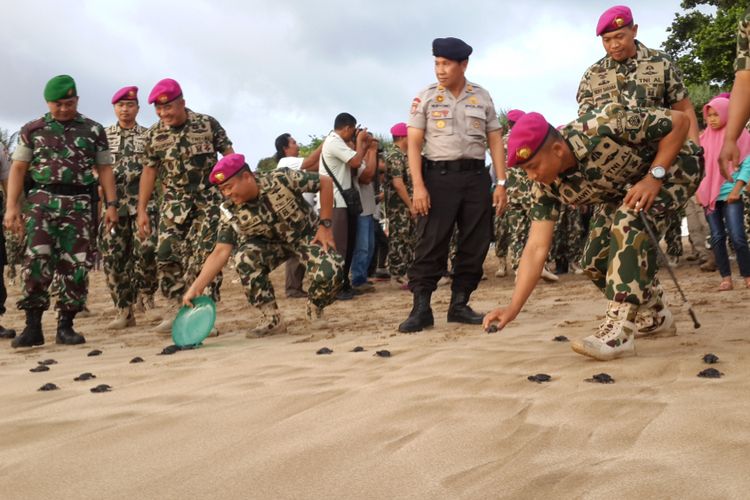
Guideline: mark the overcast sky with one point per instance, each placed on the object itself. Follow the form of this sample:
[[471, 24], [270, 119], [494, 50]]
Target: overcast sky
[[267, 67]]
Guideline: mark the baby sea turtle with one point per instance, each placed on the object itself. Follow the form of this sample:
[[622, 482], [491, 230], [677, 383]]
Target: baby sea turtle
[[324, 350], [539, 378], [101, 388], [137, 359], [40, 368], [359, 348], [560, 338], [383, 354], [491, 329], [710, 359], [47, 362], [48, 387], [95, 352], [601, 378], [84, 376], [170, 349], [710, 373]]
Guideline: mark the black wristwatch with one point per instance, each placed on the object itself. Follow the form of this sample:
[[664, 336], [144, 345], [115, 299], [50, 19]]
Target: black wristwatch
[[328, 223], [112, 203]]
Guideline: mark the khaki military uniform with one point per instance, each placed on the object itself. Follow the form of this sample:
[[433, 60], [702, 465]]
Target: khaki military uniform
[[129, 262], [614, 148], [189, 211], [458, 182], [277, 225]]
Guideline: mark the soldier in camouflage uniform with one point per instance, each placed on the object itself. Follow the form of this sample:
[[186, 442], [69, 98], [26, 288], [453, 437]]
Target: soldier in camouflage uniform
[[60, 151], [129, 262], [398, 208], [595, 160], [639, 77], [4, 171], [182, 148], [567, 244], [264, 221]]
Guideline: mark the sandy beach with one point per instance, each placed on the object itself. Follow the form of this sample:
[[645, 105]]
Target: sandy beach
[[450, 414]]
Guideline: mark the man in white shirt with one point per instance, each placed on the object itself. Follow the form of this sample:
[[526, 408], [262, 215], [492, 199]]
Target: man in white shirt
[[287, 156], [341, 162]]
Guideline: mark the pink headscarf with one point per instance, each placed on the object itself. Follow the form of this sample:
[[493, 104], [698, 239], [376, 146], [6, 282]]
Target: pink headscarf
[[711, 141]]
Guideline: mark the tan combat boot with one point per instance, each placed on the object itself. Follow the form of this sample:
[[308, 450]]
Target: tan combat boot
[[314, 315], [124, 319], [166, 324], [502, 269], [615, 337], [270, 322]]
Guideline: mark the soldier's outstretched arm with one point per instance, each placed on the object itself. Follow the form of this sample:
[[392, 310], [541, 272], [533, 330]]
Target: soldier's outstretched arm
[[145, 189], [215, 262], [529, 271], [12, 220]]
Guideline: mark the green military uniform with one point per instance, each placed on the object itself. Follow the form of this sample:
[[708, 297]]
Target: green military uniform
[[129, 262], [270, 229], [401, 238], [614, 148], [189, 211], [62, 157], [650, 79]]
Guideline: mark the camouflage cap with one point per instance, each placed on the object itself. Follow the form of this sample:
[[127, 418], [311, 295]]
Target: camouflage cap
[[526, 137], [227, 167], [613, 19], [60, 87]]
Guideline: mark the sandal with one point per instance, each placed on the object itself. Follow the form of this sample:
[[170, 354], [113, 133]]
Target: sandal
[[725, 286]]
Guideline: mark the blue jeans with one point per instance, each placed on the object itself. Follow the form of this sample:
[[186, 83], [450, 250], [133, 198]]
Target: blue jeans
[[728, 218], [364, 248]]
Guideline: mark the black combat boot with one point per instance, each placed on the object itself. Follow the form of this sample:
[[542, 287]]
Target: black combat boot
[[420, 316], [459, 310], [65, 333], [7, 333], [32, 335]]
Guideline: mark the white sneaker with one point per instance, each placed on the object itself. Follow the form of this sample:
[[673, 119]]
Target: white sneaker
[[576, 268], [614, 339], [549, 276], [650, 323]]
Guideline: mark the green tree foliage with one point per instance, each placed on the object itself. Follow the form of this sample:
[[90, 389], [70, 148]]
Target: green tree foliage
[[702, 41]]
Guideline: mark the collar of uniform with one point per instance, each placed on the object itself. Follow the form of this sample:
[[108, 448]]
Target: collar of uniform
[[132, 129], [48, 118], [641, 52]]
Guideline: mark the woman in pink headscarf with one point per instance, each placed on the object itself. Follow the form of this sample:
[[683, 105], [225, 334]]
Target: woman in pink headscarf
[[720, 195]]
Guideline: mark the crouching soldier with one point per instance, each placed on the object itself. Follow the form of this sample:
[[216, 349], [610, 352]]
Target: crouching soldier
[[265, 220]]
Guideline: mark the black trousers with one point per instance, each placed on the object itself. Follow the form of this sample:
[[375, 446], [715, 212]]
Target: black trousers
[[3, 261], [463, 198]]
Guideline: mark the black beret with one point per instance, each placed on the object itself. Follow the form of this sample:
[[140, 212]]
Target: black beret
[[451, 48]]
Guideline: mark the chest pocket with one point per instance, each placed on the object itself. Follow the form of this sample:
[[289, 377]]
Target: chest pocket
[[650, 84], [284, 204], [614, 165], [200, 140], [247, 224], [139, 144], [604, 86], [440, 121], [475, 120]]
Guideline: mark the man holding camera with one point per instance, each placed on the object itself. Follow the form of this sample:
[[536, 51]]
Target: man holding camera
[[450, 125]]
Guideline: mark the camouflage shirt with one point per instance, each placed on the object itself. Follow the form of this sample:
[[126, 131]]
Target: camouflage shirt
[[396, 166], [614, 147], [63, 152], [648, 80], [742, 63], [278, 215], [519, 188], [128, 150]]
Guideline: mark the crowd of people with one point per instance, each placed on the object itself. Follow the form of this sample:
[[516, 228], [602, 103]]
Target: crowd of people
[[420, 211]]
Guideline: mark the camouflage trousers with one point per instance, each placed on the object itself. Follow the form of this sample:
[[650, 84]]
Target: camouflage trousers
[[517, 222], [568, 239], [129, 262], [619, 256], [58, 231], [673, 234], [14, 251], [255, 260], [401, 241], [502, 235], [182, 249]]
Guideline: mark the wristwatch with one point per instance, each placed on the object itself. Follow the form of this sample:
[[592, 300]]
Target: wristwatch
[[658, 172], [501, 182], [327, 223], [112, 203]]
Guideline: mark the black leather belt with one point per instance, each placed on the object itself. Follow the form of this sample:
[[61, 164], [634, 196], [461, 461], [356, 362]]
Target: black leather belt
[[463, 165], [65, 189]]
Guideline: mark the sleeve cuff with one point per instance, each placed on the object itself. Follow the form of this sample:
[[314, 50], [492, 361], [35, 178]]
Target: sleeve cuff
[[22, 153]]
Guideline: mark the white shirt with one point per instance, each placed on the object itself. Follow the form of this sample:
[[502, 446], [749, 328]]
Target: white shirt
[[295, 163], [336, 155]]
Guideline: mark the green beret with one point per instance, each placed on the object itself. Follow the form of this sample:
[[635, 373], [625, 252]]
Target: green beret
[[60, 87]]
